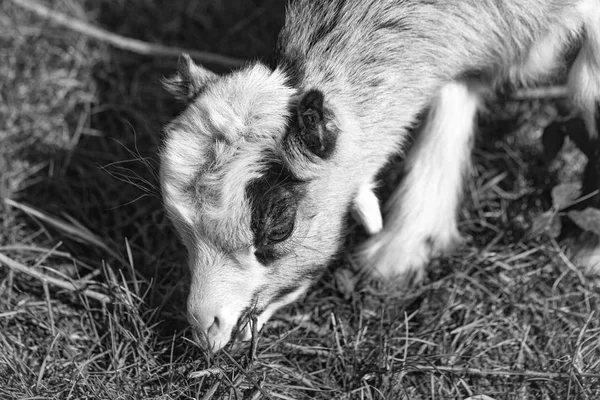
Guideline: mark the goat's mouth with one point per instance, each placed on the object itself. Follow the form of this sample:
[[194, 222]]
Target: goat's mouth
[[245, 330], [249, 323], [247, 326], [240, 334]]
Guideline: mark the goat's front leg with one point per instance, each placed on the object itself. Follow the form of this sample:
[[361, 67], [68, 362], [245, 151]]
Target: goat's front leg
[[420, 217]]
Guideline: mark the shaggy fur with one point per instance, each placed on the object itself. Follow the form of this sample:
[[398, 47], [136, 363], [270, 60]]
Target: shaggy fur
[[353, 77]]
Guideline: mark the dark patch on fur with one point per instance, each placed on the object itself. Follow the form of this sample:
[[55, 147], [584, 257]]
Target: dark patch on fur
[[394, 25], [290, 57], [266, 254], [285, 290], [274, 200], [375, 82], [329, 23], [292, 64]]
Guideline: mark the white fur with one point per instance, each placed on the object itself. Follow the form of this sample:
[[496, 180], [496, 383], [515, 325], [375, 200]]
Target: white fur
[[222, 288], [366, 209], [421, 214], [378, 64], [421, 220], [244, 111], [221, 291]]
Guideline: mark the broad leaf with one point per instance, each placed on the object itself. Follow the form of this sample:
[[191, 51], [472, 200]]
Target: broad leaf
[[588, 219], [565, 194]]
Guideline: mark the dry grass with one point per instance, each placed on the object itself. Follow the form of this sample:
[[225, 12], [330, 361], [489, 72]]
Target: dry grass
[[506, 316]]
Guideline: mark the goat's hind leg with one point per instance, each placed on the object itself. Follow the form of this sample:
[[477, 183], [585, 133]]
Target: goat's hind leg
[[420, 217]]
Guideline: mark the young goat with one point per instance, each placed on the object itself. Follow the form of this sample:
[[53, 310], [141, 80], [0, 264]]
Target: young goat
[[261, 169]]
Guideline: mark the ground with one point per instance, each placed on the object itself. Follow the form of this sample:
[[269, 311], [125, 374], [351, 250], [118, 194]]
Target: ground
[[508, 315]]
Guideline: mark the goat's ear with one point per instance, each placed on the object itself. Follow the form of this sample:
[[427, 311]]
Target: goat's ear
[[189, 80], [315, 131]]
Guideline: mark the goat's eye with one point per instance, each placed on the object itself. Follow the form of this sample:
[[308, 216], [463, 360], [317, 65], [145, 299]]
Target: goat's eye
[[280, 232], [267, 253]]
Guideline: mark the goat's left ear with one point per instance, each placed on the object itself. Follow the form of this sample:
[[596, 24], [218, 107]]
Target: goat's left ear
[[316, 130], [189, 80]]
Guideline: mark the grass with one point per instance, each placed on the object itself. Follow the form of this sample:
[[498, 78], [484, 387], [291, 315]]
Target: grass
[[507, 315]]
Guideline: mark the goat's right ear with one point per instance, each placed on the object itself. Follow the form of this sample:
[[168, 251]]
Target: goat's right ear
[[189, 80]]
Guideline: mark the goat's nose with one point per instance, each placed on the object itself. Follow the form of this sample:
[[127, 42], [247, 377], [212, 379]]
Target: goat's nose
[[212, 329], [205, 322]]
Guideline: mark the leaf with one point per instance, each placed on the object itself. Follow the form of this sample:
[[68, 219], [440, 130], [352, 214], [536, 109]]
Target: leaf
[[553, 139], [546, 223], [565, 194], [588, 219]]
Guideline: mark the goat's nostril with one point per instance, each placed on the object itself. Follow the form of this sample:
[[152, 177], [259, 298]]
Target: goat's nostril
[[204, 321]]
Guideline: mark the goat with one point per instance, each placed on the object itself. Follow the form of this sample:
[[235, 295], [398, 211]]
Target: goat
[[260, 171]]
